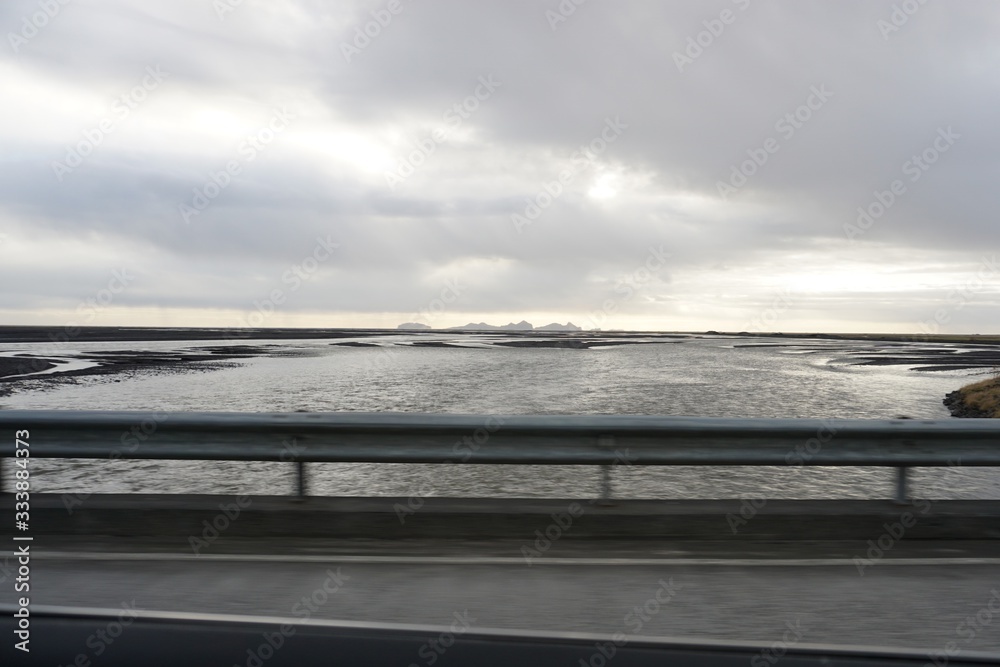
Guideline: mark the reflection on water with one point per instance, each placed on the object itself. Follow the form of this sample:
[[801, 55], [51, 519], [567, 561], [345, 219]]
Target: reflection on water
[[694, 377]]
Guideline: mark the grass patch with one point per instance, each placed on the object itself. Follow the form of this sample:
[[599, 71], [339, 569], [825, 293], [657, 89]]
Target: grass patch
[[983, 396]]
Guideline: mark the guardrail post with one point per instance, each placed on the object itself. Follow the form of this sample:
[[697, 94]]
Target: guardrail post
[[605, 482], [902, 495], [606, 441], [301, 465]]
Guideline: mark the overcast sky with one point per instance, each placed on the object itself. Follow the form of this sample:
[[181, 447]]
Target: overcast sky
[[637, 165]]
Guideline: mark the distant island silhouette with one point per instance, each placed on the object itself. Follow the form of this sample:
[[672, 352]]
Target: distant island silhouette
[[483, 326]]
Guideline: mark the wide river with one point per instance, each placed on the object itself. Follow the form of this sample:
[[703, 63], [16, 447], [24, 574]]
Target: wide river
[[696, 376]]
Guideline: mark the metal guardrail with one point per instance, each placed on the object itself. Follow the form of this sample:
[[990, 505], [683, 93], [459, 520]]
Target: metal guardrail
[[503, 439]]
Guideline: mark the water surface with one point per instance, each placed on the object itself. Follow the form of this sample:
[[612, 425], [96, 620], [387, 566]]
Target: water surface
[[707, 376]]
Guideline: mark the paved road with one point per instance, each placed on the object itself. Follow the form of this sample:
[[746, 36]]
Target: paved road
[[914, 603]]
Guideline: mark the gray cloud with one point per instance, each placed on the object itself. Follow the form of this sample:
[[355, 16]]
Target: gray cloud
[[878, 99]]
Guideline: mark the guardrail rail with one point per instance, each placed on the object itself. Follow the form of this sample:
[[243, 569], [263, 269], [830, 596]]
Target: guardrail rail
[[506, 439]]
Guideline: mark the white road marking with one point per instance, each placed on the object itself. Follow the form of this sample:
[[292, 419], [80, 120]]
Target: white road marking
[[492, 560]]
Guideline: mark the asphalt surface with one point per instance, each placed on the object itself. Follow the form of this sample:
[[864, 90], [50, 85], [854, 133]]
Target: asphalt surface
[[920, 596]]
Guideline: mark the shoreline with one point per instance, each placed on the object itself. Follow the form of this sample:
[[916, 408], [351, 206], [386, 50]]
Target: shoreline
[[979, 400], [27, 370], [66, 335], [14, 371]]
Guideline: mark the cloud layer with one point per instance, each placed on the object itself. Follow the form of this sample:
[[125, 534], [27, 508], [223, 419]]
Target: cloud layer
[[623, 165]]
